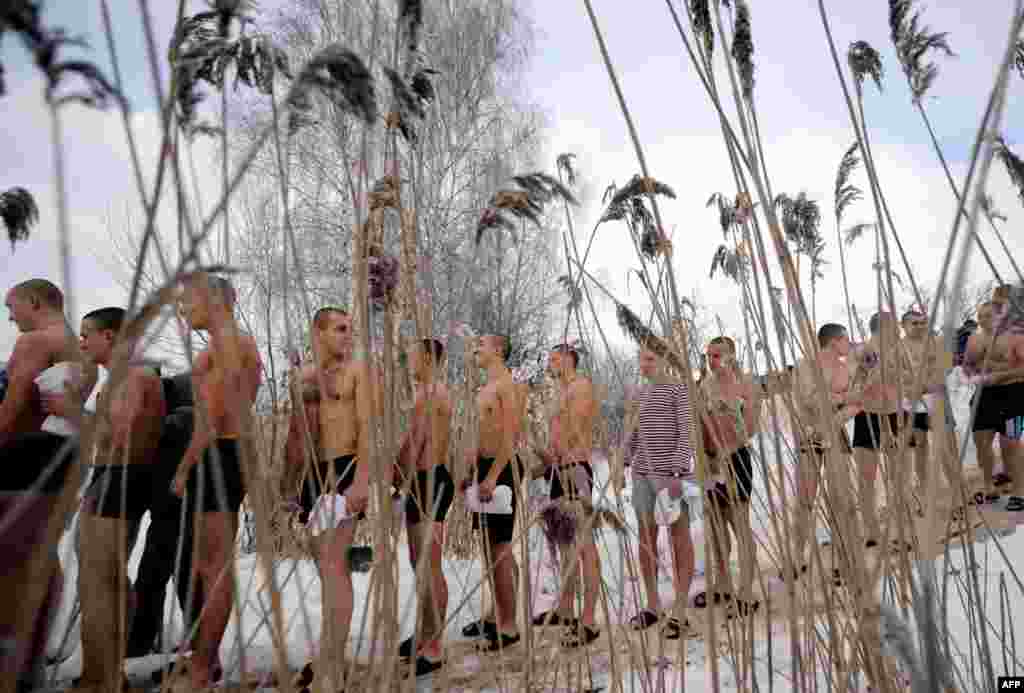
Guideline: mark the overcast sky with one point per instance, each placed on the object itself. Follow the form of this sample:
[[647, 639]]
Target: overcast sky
[[803, 119]]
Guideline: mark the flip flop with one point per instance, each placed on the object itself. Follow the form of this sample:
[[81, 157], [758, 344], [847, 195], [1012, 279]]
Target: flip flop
[[426, 666], [700, 600], [1014, 505], [407, 648], [743, 608], [551, 618], [1001, 479], [480, 628], [643, 620]]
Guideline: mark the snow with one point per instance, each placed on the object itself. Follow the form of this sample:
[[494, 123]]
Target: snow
[[299, 586]]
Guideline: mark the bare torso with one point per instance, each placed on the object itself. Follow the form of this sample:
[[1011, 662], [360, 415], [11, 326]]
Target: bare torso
[[572, 426], [730, 406], [225, 378], [879, 372], [493, 399], [837, 377], [130, 419], [431, 425]]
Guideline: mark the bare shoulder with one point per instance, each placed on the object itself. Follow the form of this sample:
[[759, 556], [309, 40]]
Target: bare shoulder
[[582, 388]]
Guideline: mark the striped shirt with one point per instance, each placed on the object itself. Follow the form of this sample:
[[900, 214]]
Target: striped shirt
[[660, 445]]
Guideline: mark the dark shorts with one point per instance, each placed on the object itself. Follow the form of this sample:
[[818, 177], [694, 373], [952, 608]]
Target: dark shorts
[[994, 408], [217, 488], [426, 497], [867, 429], [922, 421], [34, 457], [344, 469], [498, 528], [123, 491], [564, 481], [1013, 427], [741, 465]]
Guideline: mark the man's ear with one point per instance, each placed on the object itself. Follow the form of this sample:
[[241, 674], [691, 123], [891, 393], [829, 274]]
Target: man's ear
[[36, 303]]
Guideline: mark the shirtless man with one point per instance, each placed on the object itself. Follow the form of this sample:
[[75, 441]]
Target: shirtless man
[[878, 364], [493, 459], [126, 430], [36, 307], [985, 360], [350, 399], [922, 348], [225, 378], [571, 444], [423, 454], [1010, 342], [816, 445]]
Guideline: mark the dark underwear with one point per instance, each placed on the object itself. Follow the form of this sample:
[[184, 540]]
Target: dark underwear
[[498, 528], [564, 482], [922, 421], [122, 491], [425, 497], [215, 484], [34, 458], [1014, 425], [867, 430], [994, 406], [344, 469], [741, 467]]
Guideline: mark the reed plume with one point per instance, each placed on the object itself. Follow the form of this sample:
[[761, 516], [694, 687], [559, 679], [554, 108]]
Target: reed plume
[[800, 217], [410, 22], [564, 164], [20, 213], [846, 193], [700, 15], [864, 61], [743, 49], [340, 76], [535, 190], [1018, 58], [411, 100], [1014, 166], [914, 41], [644, 337]]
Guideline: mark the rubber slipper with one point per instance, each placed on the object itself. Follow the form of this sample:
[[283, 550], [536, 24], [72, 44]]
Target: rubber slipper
[[574, 638], [643, 620], [500, 641]]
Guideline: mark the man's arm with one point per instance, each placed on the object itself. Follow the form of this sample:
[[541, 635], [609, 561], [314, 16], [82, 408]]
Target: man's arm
[[301, 440], [365, 407], [30, 358]]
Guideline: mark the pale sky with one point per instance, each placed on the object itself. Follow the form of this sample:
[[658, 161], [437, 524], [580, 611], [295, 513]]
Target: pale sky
[[803, 120]]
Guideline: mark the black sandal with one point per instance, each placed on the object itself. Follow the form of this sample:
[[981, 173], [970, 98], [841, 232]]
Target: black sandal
[[743, 608], [1001, 479], [407, 648], [1014, 505], [480, 628], [304, 678], [643, 620], [498, 642], [574, 638], [674, 628], [551, 618], [700, 600], [426, 666]]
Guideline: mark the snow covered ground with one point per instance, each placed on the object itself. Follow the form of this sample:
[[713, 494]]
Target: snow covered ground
[[301, 600]]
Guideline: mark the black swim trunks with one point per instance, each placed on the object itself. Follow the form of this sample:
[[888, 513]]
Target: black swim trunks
[[867, 430], [499, 528], [1014, 425], [122, 491], [922, 422], [425, 497], [34, 458], [564, 481], [344, 469], [994, 404], [215, 484], [741, 466]]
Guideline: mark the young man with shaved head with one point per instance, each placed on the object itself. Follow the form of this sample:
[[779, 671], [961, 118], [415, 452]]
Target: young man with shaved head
[[491, 464], [226, 378], [34, 460], [572, 481], [126, 429], [349, 399], [1009, 341], [423, 455]]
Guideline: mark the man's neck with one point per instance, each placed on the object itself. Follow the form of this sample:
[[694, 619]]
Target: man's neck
[[333, 361], [48, 321], [724, 375], [567, 377]]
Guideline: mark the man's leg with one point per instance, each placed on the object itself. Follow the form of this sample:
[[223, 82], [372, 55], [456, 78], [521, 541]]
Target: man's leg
[[867, 464], [434, 605], [648, 559], [336, 583], [738, 517], [983, 441], [683, 561], [921, 462], [1013, 461], [102, 587], [504, 572], [215, 568], [808, 471]]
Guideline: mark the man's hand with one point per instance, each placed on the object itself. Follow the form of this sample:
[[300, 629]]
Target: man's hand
[[618, 480], [485, 491], [675, 489], [357, 497], [57, 404], [180, 480]]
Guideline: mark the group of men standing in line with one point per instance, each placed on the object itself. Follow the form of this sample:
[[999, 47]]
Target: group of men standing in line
[[119, 428]]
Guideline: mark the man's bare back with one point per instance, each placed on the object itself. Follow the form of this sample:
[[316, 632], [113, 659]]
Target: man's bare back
[[498, 409], [226, 378], [431, 426]]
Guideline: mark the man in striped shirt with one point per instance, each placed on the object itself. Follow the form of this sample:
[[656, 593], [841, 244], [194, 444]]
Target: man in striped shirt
[[660, 450]]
